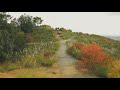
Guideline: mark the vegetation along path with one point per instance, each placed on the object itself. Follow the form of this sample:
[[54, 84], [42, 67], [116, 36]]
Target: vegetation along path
[[67, 63]]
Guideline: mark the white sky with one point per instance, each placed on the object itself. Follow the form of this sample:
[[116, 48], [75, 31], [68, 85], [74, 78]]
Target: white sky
[[102, 23]]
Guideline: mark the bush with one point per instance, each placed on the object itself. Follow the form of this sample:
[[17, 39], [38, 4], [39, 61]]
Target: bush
[[43, 33], [39, 54], [114, 71], [19, 42], [28, 61], [10, 43], [92, 57], [47, 62], [101, 70], [11, 38], [36, 61], [34, 55], [6, 44], [74, 52], [28, 38]]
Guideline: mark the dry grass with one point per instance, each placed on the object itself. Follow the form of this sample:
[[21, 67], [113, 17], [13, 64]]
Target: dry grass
[[46, 72], [41, 72]]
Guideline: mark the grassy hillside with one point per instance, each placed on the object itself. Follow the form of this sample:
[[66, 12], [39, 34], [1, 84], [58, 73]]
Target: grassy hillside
[[44, 33], [98, 54], [26, 44], [109, 45], [63, 33]]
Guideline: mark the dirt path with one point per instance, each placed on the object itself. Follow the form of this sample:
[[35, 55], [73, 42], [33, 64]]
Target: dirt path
[[67, 63]]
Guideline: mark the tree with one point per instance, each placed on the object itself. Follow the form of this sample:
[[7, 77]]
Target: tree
[[9, 38], [25, 23], [4, 18], [37, 21]]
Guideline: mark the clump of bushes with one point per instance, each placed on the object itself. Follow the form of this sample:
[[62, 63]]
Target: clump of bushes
[[25, 43], [100, 58], [75, 50], [12, 39], [44, 33], [36, 61], [34, 55], [109, 46], [92, 57]]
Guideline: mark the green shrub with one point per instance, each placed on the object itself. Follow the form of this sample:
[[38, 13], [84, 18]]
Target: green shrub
[[101, 71], [11, 38], [74, 52], [34, 55], [44, 33]]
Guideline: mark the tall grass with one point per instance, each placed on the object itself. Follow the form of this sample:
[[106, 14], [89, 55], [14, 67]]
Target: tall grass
[[34, 55]]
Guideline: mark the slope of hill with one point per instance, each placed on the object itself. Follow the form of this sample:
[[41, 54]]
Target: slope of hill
[[98, 54], [109, 45]]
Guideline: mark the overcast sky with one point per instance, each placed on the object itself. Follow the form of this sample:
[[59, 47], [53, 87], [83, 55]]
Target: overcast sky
[[102, 23]]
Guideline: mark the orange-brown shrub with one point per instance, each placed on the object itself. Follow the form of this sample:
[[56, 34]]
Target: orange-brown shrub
[[94, 54], [94, 58]]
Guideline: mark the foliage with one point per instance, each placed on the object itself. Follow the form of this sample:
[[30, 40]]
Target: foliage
[[4, 18], [75, 50], [92, 57], [37, 21], [27, 23], [28, 38], [97, 57], [43, 33], [19, 42], [102, 70], [25, 43], [15, 33], [11, 38], [94, 54], [34, 55], [114, 72], [109, 46]]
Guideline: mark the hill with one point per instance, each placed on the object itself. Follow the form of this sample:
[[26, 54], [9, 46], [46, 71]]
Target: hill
[[96, 54]]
